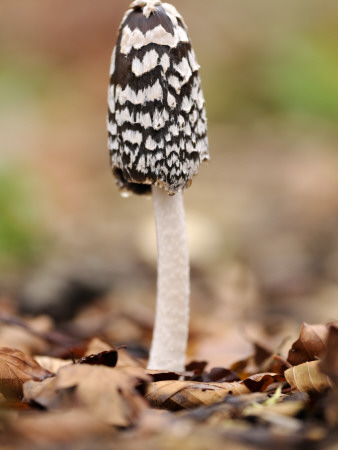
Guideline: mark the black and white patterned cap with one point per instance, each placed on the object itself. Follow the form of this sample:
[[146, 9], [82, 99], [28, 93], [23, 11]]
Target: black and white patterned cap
[[156, 122]]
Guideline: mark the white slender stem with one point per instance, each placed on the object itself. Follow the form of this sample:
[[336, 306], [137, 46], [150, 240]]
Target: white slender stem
[[171, 328]]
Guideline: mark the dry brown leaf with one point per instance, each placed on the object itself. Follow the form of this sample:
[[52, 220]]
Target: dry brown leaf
[[16, 334], [197, 367], [260, 361], [329, 364], [220, 374], [96, 345], [163, 375], [44, 393], [109, 393], [124, 359], [107, 358], [261, 353], [308, 377], [310, 345], [196, 372], [15, 369], [260, 381], [32, 335], [52, 364], [175, 395]]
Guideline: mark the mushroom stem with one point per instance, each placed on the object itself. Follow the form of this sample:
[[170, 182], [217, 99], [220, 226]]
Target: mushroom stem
[[171, 328]]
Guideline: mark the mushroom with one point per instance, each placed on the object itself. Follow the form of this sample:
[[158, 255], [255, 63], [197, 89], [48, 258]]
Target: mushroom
[[157, 140]]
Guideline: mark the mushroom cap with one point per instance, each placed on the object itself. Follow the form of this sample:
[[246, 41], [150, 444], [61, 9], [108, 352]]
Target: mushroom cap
[[157, 131]]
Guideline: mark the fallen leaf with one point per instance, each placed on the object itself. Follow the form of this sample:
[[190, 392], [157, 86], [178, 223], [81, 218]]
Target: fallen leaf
[[220, 374], [310, 345], [329, 364], [217, 374], [241, 367], [15, 369], [196, 366], [308, 377], [261, 354], [107, 358], [52, 364], [109, 393], [45, 394], [175, 395], [40, 328], [229, 408], [163, 375], [15, 333], [259, 382], [124, 359], [96, 345], [259, 361]]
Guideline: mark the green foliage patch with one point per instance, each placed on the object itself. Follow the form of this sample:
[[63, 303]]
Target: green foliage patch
[[19, 227]]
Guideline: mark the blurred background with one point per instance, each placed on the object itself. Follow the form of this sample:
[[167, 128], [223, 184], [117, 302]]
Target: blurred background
[[262, 216]]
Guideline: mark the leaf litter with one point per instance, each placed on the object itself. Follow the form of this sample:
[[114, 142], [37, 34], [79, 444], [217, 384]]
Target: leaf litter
[[82, 390]]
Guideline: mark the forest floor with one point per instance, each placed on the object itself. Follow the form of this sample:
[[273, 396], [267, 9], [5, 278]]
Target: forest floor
[[65, 386]]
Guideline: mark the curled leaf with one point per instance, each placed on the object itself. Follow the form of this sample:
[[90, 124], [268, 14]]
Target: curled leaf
[[310, 345], [308, 377], [106, 358], [175, 395], [15, 369], [197, 367], [259, 382], [124, 359], [163, 375], [96, 345], [329, 364], [110, 394], [220, 374]]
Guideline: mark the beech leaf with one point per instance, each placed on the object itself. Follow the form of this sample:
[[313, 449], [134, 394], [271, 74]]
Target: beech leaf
[[109, 393], [17, 368], [259, 382], [43, 393], [96, 345], [124, 359], [310, 345], [176, 395], [106, 358], [308, 377], [329, 364], [52, 364]]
